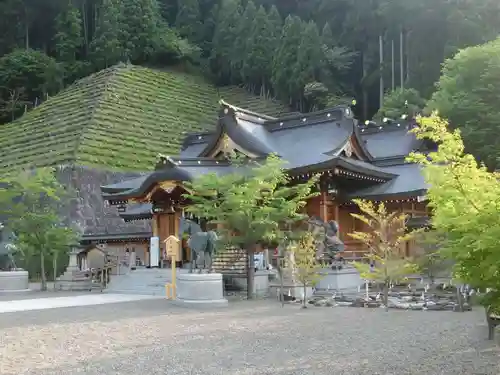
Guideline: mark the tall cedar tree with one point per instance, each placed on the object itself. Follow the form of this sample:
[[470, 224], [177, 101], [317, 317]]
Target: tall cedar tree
[[30, 201], [140, 29], [68, 38], [209, 25], [465, 202], [106, 47], [306, 68], [224, 38], [188, 20], [285, 58], [384, 237], [69, 41], [258, 57], [251, 208], [241, 49]]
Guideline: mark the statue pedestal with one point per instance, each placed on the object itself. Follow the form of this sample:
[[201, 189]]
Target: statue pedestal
[[197, 290], [14, 281], [344, 280]]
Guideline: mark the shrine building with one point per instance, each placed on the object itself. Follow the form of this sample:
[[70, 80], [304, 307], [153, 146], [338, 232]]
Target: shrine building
[[354, 161]]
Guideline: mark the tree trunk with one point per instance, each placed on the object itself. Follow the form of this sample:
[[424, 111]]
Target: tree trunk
[[386, 295], [54, 265], [85, 29], [250, 272], [42, 271], [304, 298]]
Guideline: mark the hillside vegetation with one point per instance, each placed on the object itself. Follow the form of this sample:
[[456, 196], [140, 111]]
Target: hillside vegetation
[[119, 118]]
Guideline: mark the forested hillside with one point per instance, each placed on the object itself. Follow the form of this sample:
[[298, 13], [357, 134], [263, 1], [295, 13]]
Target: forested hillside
[[309, 53]]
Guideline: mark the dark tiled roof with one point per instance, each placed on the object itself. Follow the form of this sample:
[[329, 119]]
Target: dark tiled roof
[[313, 141], [390, 141], [409, 181]]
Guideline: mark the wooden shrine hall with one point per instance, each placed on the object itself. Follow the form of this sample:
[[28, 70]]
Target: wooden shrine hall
[[354, 160]]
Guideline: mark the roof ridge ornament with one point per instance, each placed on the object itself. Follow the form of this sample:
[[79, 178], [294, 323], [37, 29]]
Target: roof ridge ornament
[[166, 160]]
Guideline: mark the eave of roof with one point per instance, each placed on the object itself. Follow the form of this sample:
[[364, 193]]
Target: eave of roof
[[175, 169], [409, 183]]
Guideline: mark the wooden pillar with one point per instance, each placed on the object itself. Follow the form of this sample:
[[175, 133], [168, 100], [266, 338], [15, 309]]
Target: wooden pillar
[[324, 206], [154, 225]]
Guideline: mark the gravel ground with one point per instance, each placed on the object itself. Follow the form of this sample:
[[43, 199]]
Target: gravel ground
[[153, 337]]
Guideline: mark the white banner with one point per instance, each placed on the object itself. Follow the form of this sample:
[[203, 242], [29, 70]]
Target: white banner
[[154, 252]]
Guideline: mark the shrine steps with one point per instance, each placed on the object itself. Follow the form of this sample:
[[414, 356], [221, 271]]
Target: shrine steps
[[142, 281]]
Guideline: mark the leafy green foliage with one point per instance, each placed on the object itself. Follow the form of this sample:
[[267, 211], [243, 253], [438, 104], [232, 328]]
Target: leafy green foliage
[[285, 58], [467, 96], [307, 268], [69, 41], [30, 75], [106, 47], [401, 102], [30, 200], [251, 209], [188, 20], [465, 201], [225, 34], [384, 237]]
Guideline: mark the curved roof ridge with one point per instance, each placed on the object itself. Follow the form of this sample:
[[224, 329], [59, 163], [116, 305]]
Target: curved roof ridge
[[223, 103]]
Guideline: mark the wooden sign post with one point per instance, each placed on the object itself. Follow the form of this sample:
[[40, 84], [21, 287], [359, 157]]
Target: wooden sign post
[[172, 245]]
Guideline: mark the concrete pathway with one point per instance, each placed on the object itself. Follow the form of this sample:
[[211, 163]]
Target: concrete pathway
[[73, 301]]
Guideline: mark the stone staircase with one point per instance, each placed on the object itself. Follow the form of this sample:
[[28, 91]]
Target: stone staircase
[[144, 281]]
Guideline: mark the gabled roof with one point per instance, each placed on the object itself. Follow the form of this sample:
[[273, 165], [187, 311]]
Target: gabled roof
[[390, 141], [315, 142]]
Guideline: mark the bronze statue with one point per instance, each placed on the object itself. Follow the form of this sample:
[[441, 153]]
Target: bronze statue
[[7, 249], [202, 244]]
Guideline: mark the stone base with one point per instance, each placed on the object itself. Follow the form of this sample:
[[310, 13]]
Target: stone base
[[346, 279], [261, 283], [11, 281], [197, 290]]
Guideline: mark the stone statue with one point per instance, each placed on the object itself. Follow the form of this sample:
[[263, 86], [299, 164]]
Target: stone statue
[[7, 249], [202, 244]]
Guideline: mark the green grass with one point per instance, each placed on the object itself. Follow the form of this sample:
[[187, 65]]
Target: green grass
[[120, 118]]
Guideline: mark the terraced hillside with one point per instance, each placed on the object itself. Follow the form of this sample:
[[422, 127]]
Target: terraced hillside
[[119, 119]]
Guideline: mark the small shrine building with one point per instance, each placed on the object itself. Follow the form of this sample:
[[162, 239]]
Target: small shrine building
[[354, 161]]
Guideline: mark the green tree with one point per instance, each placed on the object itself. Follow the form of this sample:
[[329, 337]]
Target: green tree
[[465, 201], [401, 102], [306, 68], [384, 239], [305, 263], [30, 200], [258, 56], [242, 49], [467, 96], [28, 76], [225, 34], [141, 29], [69, 40], [188, 20], [251, 208], [106, 47], [336, 62], [285, 58]]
